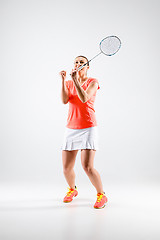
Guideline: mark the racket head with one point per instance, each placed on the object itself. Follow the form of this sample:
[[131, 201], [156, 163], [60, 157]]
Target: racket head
[[110, 45]]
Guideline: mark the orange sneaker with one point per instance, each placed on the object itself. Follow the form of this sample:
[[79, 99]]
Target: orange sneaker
[[70, 194], [101, 200]]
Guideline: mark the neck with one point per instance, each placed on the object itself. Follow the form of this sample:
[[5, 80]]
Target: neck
[[82, 78]]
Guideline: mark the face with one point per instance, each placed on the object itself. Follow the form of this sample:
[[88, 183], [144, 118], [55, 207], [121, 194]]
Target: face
[[79, 61]]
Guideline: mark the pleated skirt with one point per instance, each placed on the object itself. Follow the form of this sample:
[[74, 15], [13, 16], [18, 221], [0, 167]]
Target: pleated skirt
[[76, 139]]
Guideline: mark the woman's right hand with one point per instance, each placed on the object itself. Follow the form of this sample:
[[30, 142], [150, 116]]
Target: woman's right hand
[[63, 75]]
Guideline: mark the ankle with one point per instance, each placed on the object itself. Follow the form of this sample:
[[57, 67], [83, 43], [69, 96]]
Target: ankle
[[73, 187], [102, 192]]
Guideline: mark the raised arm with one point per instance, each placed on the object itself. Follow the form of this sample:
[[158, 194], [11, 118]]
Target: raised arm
[[64, 90]]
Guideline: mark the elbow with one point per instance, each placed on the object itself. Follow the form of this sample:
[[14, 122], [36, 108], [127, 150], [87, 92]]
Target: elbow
[[64, 102], [85, 99]]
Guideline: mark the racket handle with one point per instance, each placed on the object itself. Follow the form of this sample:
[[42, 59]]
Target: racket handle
[[80, 68]]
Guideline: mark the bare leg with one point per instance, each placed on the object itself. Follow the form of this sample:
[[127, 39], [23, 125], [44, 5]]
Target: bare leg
[[70, 178], [95, 179], [87, 159], [68, 158]]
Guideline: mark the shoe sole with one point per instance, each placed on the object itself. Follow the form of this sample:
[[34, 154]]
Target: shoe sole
[[102, 206], [71, 200]]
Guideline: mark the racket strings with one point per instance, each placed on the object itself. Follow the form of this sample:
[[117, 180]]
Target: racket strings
[[110, 45]]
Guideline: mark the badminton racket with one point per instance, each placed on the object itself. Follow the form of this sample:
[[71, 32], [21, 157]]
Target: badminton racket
[[108, 46]]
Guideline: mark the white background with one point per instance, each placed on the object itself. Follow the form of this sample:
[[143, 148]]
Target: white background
[[41, 38]]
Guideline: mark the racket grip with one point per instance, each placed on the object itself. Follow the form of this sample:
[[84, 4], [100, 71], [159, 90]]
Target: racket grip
[[80, 68]]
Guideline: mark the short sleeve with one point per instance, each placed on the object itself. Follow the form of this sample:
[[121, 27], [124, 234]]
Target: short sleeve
[[94, 80]]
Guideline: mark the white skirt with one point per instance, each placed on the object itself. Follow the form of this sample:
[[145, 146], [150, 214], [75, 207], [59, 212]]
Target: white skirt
[[75, 139]]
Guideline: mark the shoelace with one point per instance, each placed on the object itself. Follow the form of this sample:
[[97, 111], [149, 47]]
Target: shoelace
[[99, 197], [69, 192]]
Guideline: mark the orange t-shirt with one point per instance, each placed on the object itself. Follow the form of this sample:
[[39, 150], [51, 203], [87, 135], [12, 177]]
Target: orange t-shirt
[[80, 115]]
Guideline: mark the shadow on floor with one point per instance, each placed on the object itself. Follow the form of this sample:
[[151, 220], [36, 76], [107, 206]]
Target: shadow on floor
[[44, 204]]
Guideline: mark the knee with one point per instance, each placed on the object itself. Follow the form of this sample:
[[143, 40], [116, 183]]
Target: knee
[[66, 169], [88, 169]]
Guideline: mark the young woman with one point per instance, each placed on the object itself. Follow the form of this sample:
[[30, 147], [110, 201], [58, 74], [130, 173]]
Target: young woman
[[81, 129]]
